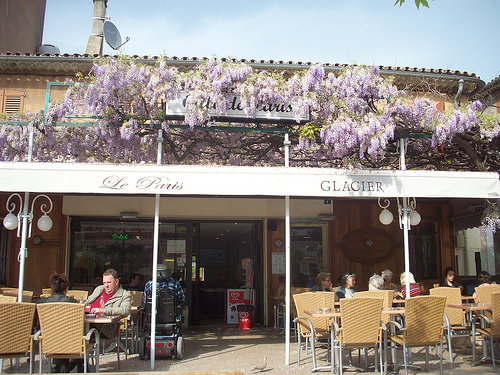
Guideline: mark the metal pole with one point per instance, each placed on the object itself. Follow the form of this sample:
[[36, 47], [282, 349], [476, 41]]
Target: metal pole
[[288, 276], [23, 251], [155, 259], [405, 218], [406, 229]]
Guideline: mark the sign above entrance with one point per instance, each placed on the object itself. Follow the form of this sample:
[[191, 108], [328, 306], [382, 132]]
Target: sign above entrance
[[266, 113], [243, 181]]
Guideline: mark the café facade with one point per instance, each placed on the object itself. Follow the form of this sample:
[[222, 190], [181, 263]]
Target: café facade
[[216, 220]]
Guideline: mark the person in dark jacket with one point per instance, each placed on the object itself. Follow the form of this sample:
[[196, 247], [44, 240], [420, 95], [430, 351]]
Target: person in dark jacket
[[59, 283]]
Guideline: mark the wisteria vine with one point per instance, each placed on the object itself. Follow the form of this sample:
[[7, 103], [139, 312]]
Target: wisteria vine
[[355, 114]]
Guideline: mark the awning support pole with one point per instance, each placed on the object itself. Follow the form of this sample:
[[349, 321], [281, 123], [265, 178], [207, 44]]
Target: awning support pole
[[288, 276], [155, 258], [404, 217], [23, 251]]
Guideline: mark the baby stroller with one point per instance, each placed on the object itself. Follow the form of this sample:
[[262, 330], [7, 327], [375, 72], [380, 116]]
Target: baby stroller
[[168, 339]]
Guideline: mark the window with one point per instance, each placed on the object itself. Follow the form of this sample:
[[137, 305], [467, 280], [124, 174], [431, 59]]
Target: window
[[11, 101]]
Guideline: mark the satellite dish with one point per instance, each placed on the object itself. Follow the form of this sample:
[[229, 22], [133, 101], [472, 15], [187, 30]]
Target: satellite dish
[[112, 35]]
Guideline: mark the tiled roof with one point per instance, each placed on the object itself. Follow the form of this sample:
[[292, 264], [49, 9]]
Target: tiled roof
[[68, 64], [491, 87]]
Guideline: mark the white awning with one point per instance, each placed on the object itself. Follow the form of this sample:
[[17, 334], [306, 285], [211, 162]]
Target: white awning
[[243, 181]]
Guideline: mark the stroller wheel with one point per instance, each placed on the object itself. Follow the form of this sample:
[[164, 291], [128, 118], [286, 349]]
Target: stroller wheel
[[180, 347], [142, 348]]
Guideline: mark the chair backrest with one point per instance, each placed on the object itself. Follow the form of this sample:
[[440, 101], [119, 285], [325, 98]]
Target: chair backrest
[[62, 327], [424, 320], [484, 292], [296, 290], [136, 298], [310, 301], [360, 319], [166, 306], [387, 295], [47, 291], [453, 297], [78, 294], [495, 313], [16, 324], [4, 298], [27, 294]]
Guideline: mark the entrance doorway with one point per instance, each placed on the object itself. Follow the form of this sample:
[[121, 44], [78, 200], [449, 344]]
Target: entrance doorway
[[218, 254]]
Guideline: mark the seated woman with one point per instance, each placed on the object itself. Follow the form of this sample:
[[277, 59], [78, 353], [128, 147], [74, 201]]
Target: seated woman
[[324, 282], [414, 288], [346, 288], [388, 284], [450, 278], [485, 279], [59, 283], [376, 282]]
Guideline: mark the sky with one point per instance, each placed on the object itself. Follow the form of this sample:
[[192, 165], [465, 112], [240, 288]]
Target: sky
[[452, 34]]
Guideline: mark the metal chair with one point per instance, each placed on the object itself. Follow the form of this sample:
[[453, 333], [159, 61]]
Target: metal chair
[[386, 295], [489, 328], [455, 319], [4, 298], [423, 327], [27, 294], [134, 319], [62, 333], [360, 326], [16, 324], [309, 328], [79, 295]]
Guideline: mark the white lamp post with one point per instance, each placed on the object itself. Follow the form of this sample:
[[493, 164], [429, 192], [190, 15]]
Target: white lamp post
[[23, 222], [408, 215]]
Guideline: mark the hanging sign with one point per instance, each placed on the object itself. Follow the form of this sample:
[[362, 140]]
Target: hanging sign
[[268, 113]]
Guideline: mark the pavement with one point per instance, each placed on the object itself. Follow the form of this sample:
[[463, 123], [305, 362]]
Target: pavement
[[227, 350]]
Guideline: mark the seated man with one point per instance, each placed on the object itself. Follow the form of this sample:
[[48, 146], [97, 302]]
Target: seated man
[[116, 301], [164, 281]]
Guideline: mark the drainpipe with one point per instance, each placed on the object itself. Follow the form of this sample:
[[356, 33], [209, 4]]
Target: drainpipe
[[96, 39], [459, 93]]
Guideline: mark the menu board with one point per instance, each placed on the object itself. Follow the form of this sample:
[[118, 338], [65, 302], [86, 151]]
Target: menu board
[[278, 263]]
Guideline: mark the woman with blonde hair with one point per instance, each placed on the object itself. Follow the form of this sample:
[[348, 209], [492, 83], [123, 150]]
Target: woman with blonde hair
[[414, 288]]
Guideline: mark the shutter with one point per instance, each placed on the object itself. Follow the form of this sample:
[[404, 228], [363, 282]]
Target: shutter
[[13, 101]]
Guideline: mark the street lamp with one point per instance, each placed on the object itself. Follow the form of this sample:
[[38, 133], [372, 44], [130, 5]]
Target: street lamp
[[23, 222], [408, 215]]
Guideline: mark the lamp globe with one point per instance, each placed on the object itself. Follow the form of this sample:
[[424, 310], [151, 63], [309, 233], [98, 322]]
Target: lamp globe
[[10, 221], [44, 223], [415, 218], [386, 217]]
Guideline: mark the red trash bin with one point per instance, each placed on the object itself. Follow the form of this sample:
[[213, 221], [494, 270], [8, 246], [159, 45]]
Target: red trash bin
[[245, 316]]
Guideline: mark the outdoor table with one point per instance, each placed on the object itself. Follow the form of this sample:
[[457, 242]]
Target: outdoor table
[[469, 308], [467, 298], [94, 319]]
